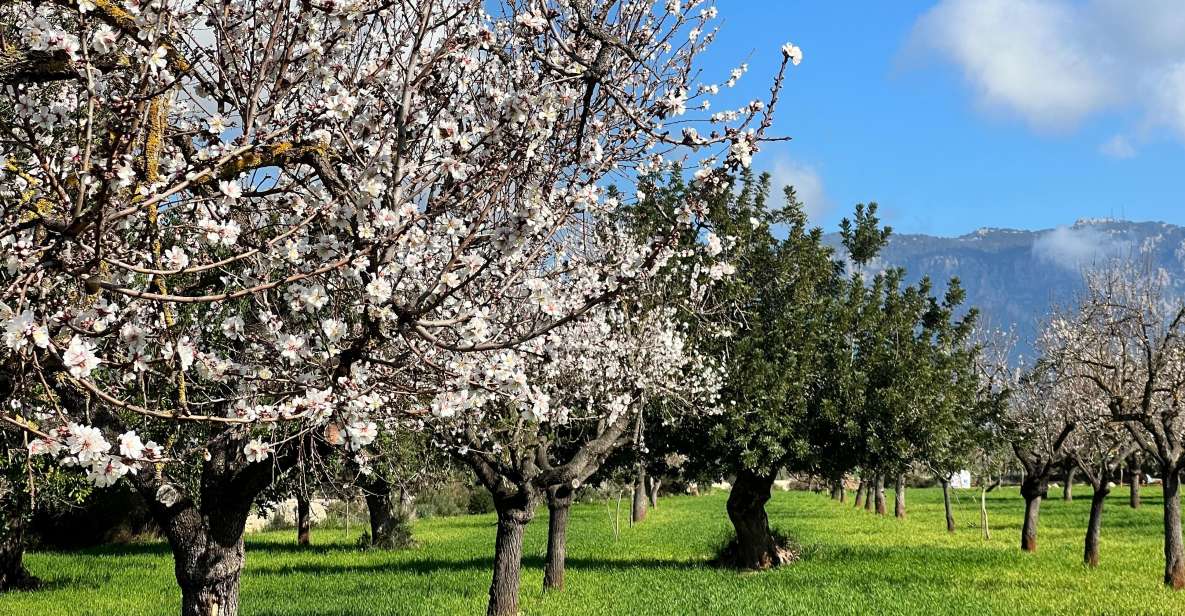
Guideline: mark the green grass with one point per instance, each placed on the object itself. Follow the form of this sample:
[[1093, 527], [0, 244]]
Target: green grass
[[854, 563]]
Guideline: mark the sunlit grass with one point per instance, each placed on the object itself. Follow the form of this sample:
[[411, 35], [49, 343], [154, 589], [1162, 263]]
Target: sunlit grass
[[854, 563]]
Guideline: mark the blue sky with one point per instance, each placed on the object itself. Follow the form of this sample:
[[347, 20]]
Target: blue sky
[[1053, 110]]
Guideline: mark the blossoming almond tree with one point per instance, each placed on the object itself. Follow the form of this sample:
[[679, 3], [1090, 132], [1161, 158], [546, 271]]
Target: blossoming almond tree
[[1039, 422], [590, 380], [237, 234], [1125, 338]]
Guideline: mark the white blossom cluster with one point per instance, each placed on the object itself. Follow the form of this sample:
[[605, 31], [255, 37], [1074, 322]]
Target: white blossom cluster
[[310, 216]]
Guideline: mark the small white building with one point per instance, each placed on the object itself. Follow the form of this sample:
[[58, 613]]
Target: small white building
[[961, 479]]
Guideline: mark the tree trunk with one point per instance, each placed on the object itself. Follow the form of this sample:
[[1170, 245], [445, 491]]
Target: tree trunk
[[390, 519], [1174, 551], [860, 494], [1134, 479], [407, 507], [13, 574], [638, 510], [559, 502], [653, 486], [513, 515], [214, 595], [899, 497], [950, 516], [208, 555], [304, 522], [1032, 489], [983, 516], [1068, 489], [879, 491], [870, 494], [755, 547], [1090, 553]]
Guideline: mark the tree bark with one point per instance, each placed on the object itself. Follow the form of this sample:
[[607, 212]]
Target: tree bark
[[899, 497], [208, 557], [1090, 553], [1032, 488], [755, 547], [950, 516], [1134, 480], [1068, 489], [870, 494], [860, 494], [879, 491], [1174, 550], [13, 574], [304, 522], [654, 483], [559, 503], [638, 509], [513, 515], [206, 534]]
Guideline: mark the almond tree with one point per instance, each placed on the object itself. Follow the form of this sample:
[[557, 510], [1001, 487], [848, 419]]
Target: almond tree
[[1038, 422], [1099, 448], [591, 380], [238, 235], [1125, 338]]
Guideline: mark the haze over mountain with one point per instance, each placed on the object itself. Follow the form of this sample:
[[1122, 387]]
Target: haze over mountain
[[1015, 276]]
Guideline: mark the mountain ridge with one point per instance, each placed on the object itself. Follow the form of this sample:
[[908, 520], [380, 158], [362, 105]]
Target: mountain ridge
[[1015, 276]]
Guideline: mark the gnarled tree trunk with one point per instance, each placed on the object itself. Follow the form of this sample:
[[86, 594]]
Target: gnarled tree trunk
[[13, 574], [1033, 489], [206, 535], [209, 576], [878, 490], [304, 521], [755, 547], [515, 510], [207, 545], [638, 510], [899, 497], [653, 486], [1174, 550], [559, 503], [390, 521], [1090, 552], [860, 493], [950, 516], [1068, 489]]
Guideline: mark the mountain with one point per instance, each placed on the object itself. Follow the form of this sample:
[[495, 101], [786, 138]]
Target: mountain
[[1014, 276]]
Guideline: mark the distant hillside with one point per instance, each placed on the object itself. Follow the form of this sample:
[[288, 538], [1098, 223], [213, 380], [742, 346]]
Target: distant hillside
[[1015, 276]]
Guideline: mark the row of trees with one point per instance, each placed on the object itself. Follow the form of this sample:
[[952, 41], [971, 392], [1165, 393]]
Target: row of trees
[[1104, 394], [831, 368]]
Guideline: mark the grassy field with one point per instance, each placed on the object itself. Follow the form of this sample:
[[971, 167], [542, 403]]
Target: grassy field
[[853, 563]]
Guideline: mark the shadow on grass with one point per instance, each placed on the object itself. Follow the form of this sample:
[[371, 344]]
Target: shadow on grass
[[433, 565]]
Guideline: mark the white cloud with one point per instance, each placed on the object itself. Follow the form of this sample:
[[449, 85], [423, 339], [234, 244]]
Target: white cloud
[[1118, 147], [1168, 105], [1055, 63], [1076, 247], [807, 182]]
